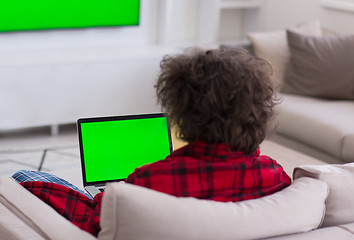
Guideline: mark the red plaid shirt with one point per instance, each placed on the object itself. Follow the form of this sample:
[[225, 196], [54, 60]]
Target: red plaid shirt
[[197, 170], [212, 172], [74, 206]]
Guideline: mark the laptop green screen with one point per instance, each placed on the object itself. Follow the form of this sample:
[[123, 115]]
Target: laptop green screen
[[111, 150], [22, 15]]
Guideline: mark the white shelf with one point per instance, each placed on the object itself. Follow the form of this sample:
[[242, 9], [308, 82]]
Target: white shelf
[[228, 20], [239, 4]]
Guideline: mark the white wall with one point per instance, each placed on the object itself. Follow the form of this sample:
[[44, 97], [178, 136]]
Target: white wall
[[145, 33], [339, 21], [167, 22], [178, 22], [280, 14], [56, 76], [172, 22], [273, 15], [163, 22]]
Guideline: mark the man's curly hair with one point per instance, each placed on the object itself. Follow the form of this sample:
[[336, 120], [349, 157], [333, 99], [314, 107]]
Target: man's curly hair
[[218, 96]]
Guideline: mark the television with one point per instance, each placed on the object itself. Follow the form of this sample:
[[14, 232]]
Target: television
[[28, 15]]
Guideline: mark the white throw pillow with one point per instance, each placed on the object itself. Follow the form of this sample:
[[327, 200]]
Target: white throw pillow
[[273, 47], [340, 180], [133, 212]]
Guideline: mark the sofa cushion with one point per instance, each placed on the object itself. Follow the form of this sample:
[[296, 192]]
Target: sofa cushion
[[273, 46], [38, 216], [320, 66], [133, 212], [323, 124], [340, 180]]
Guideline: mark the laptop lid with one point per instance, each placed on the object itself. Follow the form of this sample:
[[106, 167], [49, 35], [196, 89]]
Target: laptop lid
[[112, 147]]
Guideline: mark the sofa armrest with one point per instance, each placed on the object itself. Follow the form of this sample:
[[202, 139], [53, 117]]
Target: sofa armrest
[[34, 218]]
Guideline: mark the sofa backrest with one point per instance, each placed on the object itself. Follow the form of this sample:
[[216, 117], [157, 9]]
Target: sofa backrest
[[133, 212]]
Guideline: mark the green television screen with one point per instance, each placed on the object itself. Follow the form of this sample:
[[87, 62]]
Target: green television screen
[[26, 15]]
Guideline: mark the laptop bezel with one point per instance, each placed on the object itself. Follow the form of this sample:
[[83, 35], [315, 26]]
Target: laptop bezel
[[114, 118]]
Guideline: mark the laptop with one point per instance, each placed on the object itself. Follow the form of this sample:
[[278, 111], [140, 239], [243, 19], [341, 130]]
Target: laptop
[[112, 147]]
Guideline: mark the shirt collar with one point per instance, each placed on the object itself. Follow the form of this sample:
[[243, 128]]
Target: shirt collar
[[212, 152]]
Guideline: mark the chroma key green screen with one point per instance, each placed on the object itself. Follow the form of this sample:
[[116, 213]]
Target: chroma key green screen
[[113, 149], [24, 15]]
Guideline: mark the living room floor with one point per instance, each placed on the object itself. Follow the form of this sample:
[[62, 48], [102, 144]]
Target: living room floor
[[36, 149]]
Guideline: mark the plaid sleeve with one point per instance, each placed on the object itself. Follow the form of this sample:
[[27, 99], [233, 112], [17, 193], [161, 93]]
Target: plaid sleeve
[[32, 176], [74, 206]]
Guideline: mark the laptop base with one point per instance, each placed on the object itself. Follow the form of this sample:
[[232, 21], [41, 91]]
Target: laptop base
[[93, 190]]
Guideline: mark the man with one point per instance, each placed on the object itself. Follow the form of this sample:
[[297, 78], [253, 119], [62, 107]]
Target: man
[[221, 101]]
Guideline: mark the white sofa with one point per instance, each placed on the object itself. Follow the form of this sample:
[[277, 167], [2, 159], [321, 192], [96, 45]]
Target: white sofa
[[320, 196], [313, 70], [317, 127]]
